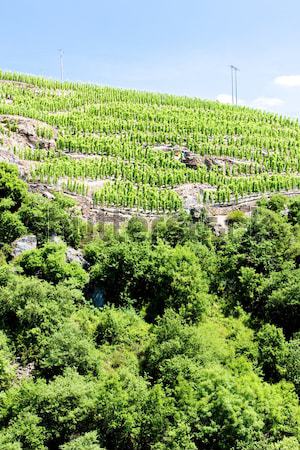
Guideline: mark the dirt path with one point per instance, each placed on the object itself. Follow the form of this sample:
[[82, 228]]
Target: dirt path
[[246, 204]]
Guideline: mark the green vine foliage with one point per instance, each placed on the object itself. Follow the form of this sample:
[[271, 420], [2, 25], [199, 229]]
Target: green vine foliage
[[137, 140]]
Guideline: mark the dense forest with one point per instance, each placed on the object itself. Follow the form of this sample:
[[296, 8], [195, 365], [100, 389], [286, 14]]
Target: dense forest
[[196, 345]]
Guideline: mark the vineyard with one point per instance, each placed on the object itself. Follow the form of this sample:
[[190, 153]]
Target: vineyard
[[144, 145]]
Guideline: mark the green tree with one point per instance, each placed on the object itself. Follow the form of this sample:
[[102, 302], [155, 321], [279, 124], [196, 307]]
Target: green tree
[[277, 203], [45, 217], [32, 309], [272, 352], [294, 211], [7, 370], [69, 346], [27, 431], [176, 280], [88, 441], [293, 362], [117, 326], [236, 218], [49, 262], [11, 227], [283, 302], [11, 186], [137, 229]]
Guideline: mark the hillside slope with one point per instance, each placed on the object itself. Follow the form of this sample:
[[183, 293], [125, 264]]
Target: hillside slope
[[143, 151]]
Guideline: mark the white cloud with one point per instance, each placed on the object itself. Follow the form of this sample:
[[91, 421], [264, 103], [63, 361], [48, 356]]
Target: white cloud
[[267, 102], [226, 98], [288, 80]]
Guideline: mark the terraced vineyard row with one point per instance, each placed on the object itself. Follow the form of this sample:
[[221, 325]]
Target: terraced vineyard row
[[139, 141]]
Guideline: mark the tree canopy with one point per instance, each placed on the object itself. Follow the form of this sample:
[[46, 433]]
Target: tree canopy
[[195, 347]]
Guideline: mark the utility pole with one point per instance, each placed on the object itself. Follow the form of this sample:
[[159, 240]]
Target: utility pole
[[236, 85], [234, 88], [61, 63]]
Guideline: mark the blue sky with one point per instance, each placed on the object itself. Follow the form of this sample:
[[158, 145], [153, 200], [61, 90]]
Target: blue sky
[[181, 47]]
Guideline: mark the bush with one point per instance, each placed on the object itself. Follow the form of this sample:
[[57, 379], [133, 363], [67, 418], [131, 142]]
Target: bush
[[236, 218], [272, 352], [88, 441], [49, 263]]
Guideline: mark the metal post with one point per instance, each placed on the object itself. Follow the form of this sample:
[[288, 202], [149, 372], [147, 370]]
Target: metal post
[[232, 90], [234, 87], [236, 91], [61, 54]]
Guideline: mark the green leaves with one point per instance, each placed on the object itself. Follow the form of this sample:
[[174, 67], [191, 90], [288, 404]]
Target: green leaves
[[32, 309], [7, 368], [173, 373], [272, 352], [158, 278], [49, 263], [11, 227], [11, 186], [88, 441], [44, 218]]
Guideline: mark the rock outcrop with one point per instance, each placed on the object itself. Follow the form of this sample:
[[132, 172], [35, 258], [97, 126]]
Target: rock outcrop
[[73, 255], [23, 244], [25, 132]]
